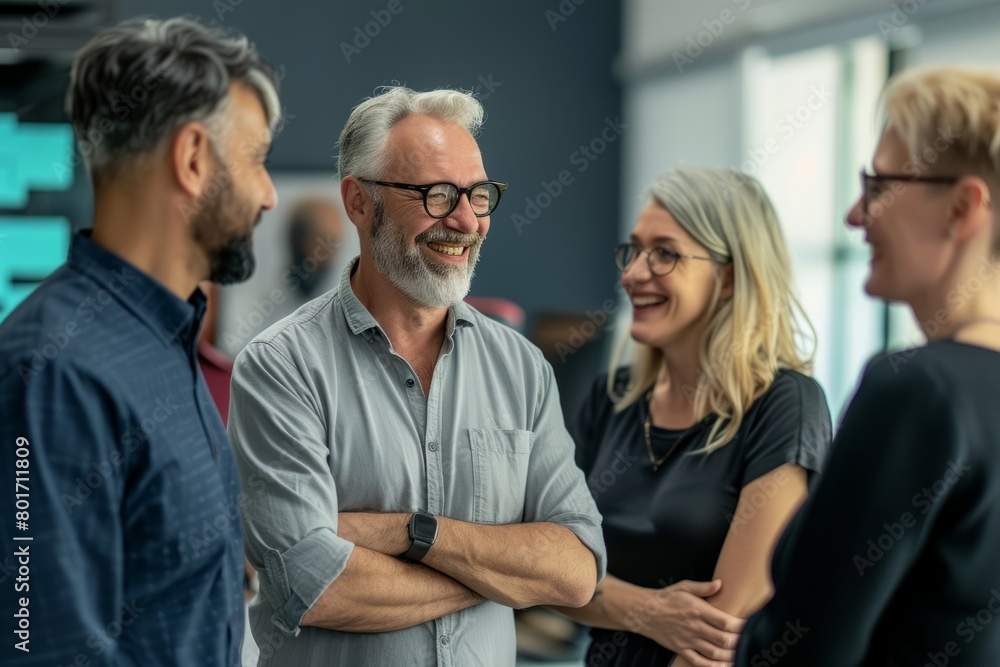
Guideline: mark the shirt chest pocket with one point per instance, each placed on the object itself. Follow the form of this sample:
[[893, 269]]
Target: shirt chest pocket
[[499, 474]]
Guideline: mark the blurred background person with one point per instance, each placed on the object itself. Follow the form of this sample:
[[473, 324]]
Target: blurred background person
[[894, 560], [306, 249], [700, 449], [314, 235]]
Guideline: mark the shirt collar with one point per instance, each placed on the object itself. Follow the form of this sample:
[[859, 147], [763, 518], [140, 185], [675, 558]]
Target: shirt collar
[[361, 321], [160, 309]]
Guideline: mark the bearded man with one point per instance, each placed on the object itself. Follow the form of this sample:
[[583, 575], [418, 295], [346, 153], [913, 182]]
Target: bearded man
[[409, 477], [126, 527]]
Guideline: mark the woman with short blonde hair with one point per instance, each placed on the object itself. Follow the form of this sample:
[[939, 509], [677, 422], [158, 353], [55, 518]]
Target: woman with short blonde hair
[[894, 558], [698, 450]]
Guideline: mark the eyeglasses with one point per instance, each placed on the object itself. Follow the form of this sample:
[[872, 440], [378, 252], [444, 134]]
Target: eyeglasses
[[871, 184], [660, 260], [440, 199]]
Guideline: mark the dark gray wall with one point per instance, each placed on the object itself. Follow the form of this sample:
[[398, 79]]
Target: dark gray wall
[[546, 93]]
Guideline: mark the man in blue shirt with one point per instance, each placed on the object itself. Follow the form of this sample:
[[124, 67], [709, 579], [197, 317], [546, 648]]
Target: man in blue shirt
[[120, 524]]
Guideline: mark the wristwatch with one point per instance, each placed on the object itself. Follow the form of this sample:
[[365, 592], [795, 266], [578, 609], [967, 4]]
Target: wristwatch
[[423, 531]]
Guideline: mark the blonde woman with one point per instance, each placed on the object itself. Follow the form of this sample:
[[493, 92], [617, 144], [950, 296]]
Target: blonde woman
[[699, 450], [895, 560]]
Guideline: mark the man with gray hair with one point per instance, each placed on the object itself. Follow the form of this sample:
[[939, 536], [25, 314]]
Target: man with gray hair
[[126, 521], [409, 475]]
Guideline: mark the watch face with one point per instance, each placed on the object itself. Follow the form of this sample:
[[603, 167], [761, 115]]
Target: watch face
[[423, 527]]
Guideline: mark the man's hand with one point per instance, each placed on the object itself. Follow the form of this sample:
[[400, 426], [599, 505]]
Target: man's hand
[[678, 618], [384, 532]]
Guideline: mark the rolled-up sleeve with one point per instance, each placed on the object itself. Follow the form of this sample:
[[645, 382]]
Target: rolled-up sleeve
[[290, 498], [556, 490]]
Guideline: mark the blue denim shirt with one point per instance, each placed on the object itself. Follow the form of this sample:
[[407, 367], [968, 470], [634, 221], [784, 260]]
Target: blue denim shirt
[[130, 551]]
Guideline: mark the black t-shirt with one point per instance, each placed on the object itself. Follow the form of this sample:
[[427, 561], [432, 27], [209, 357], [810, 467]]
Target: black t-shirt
[[665, 526], [895, 557]]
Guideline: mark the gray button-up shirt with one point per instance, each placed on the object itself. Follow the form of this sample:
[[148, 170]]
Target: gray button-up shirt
[[325, 417]]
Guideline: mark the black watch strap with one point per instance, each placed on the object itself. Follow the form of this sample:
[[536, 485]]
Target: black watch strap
[[423, 531]]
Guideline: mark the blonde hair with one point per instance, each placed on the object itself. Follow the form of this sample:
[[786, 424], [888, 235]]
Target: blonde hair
[[958, 104], [749, 337]]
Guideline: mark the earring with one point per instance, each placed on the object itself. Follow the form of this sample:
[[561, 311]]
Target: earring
[[949, 234]]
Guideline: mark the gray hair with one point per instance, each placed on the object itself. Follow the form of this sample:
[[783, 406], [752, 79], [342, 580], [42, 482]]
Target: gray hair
[[364, 137], [133, 85]]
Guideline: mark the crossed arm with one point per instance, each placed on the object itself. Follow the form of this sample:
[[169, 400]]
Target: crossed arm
[[379, 593], [519, 565], [342, 567]]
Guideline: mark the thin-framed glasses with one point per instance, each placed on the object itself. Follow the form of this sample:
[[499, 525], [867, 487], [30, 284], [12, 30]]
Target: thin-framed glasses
[[871, 184], [660, 260], [440, 199]]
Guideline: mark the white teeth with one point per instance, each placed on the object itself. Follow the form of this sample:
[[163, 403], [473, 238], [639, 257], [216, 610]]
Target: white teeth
[[643, 301], [446, 250]]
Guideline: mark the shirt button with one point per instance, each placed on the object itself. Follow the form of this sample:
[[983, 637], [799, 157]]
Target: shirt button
[[444, 640], [410, 382], [433, 447]]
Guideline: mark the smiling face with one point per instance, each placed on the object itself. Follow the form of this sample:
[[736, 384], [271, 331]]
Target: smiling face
[[431, 260], [668, 310], [906, 227]]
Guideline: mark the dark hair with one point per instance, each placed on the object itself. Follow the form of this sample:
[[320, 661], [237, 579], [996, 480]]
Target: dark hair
[[133, 85]]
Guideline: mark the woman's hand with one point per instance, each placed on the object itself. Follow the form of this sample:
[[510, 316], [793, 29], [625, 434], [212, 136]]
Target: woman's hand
[[679, 618]]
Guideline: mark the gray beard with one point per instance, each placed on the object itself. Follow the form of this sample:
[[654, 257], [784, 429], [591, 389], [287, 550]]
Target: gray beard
[[426, 282]]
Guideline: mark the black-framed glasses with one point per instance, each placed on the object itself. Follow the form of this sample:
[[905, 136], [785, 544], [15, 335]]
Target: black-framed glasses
[[660, 260], [440, 199], [871, 184]]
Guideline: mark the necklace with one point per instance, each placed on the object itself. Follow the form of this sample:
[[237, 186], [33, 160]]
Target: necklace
[[649, 441]]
